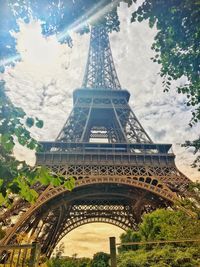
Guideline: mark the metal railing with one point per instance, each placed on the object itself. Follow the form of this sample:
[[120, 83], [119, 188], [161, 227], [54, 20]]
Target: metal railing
[[26, 255], [135, 148], [113, 245]]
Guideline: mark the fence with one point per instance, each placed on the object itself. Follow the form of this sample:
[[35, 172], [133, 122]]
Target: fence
[[113, 245], [20, 255]]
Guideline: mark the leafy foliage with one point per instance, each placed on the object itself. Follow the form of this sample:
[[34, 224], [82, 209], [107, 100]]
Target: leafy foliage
[[169, 225], [68, 262], [162, 225], [177, 43], [16, 177], [130, 236], [195, 144], [13, 173], [192, 202], [59, 260], [100, 259], [177, 48], [166, 256], [57, 16]]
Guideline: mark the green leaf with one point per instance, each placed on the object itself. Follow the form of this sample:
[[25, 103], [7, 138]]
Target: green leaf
[[2, 199], [43, 176], [55, 181], [34, 194], [7, 142], [22, 140], [29, 122], [70, 183], [18, 131], [32, 144], [20, 112], [39, 123]]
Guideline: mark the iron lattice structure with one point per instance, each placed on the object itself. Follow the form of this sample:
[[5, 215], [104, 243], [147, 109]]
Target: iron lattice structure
[[100, 70], [120, 173]]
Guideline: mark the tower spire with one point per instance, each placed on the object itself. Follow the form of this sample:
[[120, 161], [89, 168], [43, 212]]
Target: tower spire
[[100, 70]]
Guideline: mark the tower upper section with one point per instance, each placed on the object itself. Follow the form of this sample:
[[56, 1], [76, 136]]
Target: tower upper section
[[101, 112], [100, 71]]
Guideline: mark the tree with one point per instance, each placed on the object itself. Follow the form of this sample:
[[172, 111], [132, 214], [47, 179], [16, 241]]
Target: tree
[[58, 17], [16, 177], [68, 262], [195, 144], [129, 236], [167, 256], [162, 225], [168, 225], [191, 203], [13, 173], [177, 48], [100, 259], [61, 262]]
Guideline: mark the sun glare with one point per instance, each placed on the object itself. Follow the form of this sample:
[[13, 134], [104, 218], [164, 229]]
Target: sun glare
[[92, 15]]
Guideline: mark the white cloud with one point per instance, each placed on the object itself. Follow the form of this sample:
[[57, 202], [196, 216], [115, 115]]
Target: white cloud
[[42, 83], [90, 239]]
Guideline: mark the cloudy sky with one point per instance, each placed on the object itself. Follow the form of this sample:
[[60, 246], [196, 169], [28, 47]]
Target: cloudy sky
[[43, 81]]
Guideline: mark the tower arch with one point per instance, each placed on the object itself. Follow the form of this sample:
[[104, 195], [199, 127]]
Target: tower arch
[[118, 204]]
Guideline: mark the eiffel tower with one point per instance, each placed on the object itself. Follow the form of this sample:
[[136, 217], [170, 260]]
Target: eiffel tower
[[120, 172]]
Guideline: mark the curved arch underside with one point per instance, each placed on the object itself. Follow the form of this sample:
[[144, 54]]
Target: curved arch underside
[[118, 204]]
